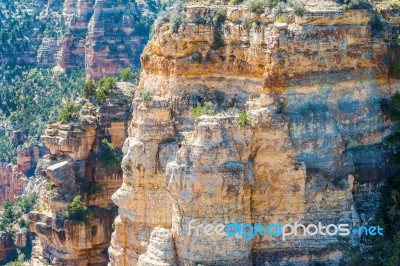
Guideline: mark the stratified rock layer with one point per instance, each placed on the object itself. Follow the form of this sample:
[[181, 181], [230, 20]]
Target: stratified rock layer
[[74, 167], [105, 36], [304, 149], [12, 182]]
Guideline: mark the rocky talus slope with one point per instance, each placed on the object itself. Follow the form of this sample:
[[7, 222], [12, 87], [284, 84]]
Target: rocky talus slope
[[315, 89], [74, 167]]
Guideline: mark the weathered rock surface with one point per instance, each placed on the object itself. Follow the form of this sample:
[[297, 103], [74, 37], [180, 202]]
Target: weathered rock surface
[[12, 182], [161, 250], [105, 36], [10, 243], [313, 88], [143, 181], [115, 40], [13, 177], [72, 168]]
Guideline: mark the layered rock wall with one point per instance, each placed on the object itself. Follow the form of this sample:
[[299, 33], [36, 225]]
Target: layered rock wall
[[10, 243], [12, 182], [312, 89], [105, 36], [114, 40], [76, 167]]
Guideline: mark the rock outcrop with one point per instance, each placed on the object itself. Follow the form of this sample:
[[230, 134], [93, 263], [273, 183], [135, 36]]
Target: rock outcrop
[[297, 138], [115, 39], [12, 182], [76, 167], [13, 177], [105, 36], [28, 156], [10, 243]]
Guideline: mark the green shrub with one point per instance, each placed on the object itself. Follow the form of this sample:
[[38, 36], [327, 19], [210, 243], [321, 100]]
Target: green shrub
[[145, 56], [206, 109], [183, 95], [219, 97], [299, 7], [377, 26], [78, 211], [13, 212], [23, 223], [146, 96], [26, 203], [356, 4], [209, 57], [218, 18], [280, 8], [205, 92], [255, 25], [127, 74], [90, 188], [8, 216], [108, 156], [196, 57], [104, 87], [256, 6], [20, 261], [281, 19], [69, 113], [176, 20], [30, 98], [8, 149], [244, 119], [396, 69], [280, 108], [89, 89]]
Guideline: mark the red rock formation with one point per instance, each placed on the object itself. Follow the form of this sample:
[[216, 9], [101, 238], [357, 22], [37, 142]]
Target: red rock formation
[[12, 182], [114, 39]]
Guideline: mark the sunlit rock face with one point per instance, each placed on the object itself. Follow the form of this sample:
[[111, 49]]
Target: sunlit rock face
[[102, 36], [12, 182], [314, 89], [74, 167]]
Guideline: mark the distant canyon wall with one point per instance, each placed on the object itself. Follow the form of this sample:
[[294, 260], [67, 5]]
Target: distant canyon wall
[[104, 36]]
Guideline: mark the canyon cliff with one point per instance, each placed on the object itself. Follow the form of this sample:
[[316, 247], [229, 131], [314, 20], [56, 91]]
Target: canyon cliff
[[239, 116], [300, 111], [105, 36], [77, 164], [14, 177]]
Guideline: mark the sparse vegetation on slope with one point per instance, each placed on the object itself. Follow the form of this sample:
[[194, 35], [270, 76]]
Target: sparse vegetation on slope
[[30, 98]]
